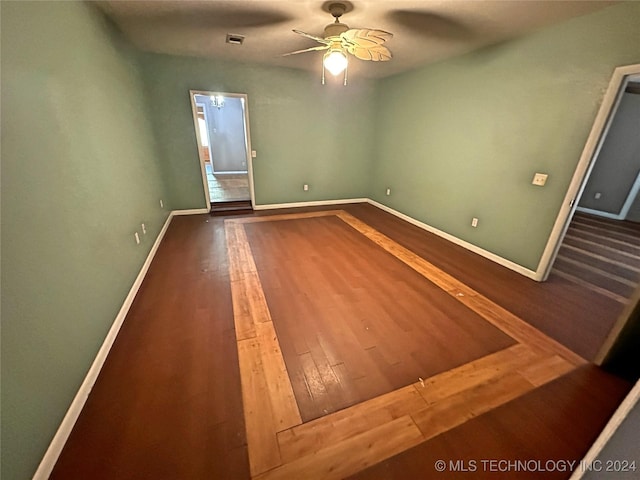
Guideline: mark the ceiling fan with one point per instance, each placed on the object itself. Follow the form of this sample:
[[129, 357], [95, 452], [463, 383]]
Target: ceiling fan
[[339, 39]]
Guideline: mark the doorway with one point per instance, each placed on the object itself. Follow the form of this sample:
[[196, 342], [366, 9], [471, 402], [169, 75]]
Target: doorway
[[601, 248], [222, 132], [595, 243], [618, 85]]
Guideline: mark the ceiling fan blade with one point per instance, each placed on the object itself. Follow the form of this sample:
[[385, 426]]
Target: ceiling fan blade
[[377, 53], [320, 47], [365, 37], [366, 44], [312, 37]]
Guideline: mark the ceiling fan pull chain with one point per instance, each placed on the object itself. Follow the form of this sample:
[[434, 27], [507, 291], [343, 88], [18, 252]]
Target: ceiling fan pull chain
[[346, 69]]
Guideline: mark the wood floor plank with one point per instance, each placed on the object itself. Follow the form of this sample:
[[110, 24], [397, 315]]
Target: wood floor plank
[[594, 288], [261, 426], [323, 432], [599, 271], [284, 216], [556, 421], [243, 319], [630, 236], [426, 269], [603, 258], [483, 370], [457, 409], [518, 329], [283, 402], [334, 462], [240, 257], [268, 398], [546, 370], [627, 246], [608, 223]]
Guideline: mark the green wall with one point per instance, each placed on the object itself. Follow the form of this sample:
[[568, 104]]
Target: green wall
[[79, 175], [302, 132], [464, 137]]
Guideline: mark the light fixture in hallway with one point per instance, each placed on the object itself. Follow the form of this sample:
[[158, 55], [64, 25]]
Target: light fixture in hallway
[[217, 101]]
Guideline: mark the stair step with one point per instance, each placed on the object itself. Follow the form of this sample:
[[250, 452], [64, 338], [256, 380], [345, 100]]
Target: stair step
[[236, 207]]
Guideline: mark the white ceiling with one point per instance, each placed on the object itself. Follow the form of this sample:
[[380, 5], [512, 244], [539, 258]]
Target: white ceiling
[[424, 31]]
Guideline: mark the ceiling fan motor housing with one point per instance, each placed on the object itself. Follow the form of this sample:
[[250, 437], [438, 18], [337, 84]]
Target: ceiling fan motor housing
[[335, 29], [337, 9]]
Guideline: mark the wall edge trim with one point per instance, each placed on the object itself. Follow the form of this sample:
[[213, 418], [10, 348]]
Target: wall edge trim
[[61, 436], [315, 203], [190, 211]]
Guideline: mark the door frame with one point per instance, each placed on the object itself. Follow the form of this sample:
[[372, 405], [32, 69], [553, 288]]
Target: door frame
[[599, 130], [247, 140], [206, 122]]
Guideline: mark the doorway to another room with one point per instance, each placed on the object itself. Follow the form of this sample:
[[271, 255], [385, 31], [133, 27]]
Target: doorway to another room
[[595, 244], [224, 149]]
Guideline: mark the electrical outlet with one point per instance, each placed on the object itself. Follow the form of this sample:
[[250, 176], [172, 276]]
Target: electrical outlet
[[474, 222], [597, 195], [137, 237], [540, 179], [388, 191], [144, 229], [305, 187]]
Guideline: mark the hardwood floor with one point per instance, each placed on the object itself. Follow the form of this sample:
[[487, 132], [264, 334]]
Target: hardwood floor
[[197, 386], [273, 418], [568, 312], [491, 437], [353, 321]]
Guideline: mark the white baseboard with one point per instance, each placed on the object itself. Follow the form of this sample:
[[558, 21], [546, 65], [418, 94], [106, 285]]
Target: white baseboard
[[64, 430], [317, 203], [469, 246], [607, 433], [191, 211]]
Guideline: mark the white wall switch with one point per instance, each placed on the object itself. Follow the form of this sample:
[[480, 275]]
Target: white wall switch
[[597, 196], [388, 191], [144, 229], [253, 154], [474, 222], [305, 187], [540, 179], [137, 237], [161, 204]]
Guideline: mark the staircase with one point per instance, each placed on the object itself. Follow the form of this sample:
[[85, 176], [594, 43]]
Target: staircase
[[602, 255], [237, 207]]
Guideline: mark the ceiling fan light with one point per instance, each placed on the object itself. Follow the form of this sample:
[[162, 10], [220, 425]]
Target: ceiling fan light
[[335, 61]]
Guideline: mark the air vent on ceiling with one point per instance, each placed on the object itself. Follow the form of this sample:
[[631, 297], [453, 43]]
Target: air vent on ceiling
[[234, 39]]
